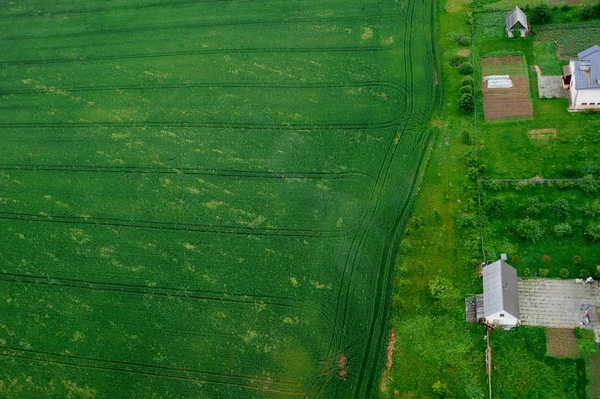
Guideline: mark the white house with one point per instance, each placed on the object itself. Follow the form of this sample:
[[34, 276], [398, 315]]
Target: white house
[[498, 306], [501, 295], [582, 77], [516, 19]]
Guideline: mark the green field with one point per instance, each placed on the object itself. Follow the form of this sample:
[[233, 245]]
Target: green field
[[203, 199]]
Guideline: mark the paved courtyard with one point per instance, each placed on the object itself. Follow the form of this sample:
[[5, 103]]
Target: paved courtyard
[[559, 303], [550, 86]]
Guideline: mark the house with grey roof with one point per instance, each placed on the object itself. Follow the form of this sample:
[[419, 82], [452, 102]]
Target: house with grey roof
[[582, 78], [516, 19], [498, 306]]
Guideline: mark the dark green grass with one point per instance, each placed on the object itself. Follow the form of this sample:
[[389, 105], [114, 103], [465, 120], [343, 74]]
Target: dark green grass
[[203, 199], [522, 369], [545, 58]]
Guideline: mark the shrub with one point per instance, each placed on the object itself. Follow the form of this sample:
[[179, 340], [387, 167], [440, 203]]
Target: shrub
[[494, 207], [543, 272], [546, 259], [563, 273], [418, 221], [589, 184], [560, 207], [532, 206], [467, 221], [592, 231], [589, 12], [568, 171], [514, 259], [583, 273], [516, 33], [563, 230], [591, 209], [577, 259], [526, 272], [440, 390], [466, 89], [462, 40], [467, 81], [540, 15], [529, 229], [437, 286], [466, 102], [466, 68], [465, 138]]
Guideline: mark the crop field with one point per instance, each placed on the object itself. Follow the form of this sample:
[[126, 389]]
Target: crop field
[[570, 38], [506, 103], [204, 198]]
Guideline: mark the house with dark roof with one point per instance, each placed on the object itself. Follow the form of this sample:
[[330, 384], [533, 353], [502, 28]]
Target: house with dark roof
[[516, 19], [498, 306], [582, 78]]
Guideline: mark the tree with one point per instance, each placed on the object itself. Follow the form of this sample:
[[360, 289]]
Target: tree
[[529, 229], [589, 184], [466, 89], [560, 207], [440, 390], [466, 102], [563, 273], [467, 81], [465, 138], [540, 15], [466, 68], [592, 231], [532, 206], [563, 230], [516, 32]]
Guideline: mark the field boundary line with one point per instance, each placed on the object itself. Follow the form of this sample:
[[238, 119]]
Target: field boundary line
[[200, 52], [156, 225], [110, 365], [273, 21]]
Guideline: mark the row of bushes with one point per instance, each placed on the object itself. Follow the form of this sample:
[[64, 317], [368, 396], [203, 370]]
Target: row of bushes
[[532, 230], [534, 207], [588, 183], [466, 102], [542, 14], [563, 273]]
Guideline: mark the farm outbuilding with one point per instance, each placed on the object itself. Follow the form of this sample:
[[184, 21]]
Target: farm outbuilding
[[582, 78], [498, 306], [516, 19]]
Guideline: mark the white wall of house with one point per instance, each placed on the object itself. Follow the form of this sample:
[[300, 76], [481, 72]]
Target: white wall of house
[[502, 319], [589, 97]]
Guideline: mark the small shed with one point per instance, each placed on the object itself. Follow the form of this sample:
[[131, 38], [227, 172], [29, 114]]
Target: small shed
[[516, 19], [501, 295]]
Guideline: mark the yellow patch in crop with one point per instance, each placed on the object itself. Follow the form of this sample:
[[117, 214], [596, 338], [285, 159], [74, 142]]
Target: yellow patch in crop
[[48, 197], [213, 204], [291, 320], [106, 252], [339, 222], [367, 34], [249, 336], [21, 236], [387, 41], [75, 391], [322, 186], [189, 246], [320, 286], [193, 190], [78, 336], [294, 281], [79, 236], [62, 204]]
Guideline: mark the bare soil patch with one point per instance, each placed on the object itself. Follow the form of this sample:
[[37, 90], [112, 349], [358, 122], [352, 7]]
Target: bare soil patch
[[463, 52], [508, 103], [389, 361], [342, 364], [562, 343], [542, 133]]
